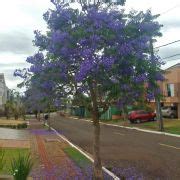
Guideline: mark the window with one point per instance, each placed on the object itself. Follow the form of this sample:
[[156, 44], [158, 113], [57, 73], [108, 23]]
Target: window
[[170, 90], [174, 108]]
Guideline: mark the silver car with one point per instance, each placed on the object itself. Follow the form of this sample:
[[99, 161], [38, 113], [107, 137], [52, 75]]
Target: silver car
[[169, 111]]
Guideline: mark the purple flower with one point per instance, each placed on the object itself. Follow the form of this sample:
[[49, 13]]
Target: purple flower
[[150, 96], [140, 78], [48, 85], [159, 76]]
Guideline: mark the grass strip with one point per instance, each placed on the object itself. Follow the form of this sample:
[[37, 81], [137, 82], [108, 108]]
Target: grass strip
[[77, 157], [11, 153]]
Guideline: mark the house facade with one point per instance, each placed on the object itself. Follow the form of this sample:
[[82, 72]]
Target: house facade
[[3, 91], [171, 87]]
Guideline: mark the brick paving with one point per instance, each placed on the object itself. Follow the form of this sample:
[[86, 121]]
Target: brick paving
[[51, 162]]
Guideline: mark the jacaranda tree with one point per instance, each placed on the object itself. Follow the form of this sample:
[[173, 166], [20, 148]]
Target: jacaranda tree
[[42, 90], [97, 55]]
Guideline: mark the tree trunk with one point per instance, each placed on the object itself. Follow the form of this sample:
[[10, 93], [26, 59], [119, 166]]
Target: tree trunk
[[7, 115], [16, 117], [36, 113], [124, 114], [97, 169], [157, 100], [49, 122], [158, 114]]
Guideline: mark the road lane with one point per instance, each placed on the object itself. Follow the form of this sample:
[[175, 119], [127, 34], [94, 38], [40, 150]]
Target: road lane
[[169, 146], [119, 133], [132, 149]]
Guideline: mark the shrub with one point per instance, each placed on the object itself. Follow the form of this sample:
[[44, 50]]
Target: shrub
[[21, 167], [24, 125], [13, 126], [20, 126]]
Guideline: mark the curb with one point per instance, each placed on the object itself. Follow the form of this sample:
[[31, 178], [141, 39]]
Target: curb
[[84, 153], [133, 128]]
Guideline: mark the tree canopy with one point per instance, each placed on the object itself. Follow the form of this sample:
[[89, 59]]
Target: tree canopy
[[98, 55], [100, 51]]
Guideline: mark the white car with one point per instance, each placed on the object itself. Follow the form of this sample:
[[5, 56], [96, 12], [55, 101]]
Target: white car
[[169, 111]]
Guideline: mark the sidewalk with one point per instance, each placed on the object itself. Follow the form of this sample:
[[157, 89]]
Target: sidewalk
[[50, 160], [12, 143]]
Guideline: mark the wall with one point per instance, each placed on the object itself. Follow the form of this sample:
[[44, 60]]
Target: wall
[[3, 91], [172, 76]]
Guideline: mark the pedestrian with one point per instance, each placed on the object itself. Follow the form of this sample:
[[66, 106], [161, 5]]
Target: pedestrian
[[36, 114], [46, 118]]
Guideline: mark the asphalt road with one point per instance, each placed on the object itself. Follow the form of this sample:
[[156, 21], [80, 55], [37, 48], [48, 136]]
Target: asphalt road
[[151, 156]]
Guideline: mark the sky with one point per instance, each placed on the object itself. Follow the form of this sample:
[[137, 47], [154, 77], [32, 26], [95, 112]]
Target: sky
[[19, 18]]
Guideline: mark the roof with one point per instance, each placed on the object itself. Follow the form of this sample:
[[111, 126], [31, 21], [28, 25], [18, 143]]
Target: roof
[[174, 66]]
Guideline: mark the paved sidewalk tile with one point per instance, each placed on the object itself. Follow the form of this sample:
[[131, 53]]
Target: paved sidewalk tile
[[52, 163], [11, 143]]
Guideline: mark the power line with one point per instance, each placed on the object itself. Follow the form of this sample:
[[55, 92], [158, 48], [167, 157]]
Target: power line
[[171, 56], [173, 60], [167, 44], [170, 9]]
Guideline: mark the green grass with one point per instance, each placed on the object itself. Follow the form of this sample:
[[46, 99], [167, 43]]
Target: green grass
[[150, 125], [77, 157], [11, 153], [170, 125]]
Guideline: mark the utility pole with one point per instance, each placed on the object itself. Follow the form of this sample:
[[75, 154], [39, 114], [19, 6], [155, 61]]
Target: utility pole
[[157, 99]]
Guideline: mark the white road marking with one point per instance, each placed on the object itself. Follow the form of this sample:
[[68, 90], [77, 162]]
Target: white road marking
[[166, 145], [119, 133], [84, 153]]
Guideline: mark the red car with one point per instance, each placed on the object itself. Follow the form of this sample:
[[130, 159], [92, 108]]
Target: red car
[[141, 116]]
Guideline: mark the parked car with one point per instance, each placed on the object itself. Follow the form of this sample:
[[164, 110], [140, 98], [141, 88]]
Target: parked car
[[169, 111], [141, 116]]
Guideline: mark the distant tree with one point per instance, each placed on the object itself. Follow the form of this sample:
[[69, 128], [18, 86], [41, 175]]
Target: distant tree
[[14, 106], [7, 109]]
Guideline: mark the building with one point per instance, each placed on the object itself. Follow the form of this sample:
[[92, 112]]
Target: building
[[171, 87], [3, 91]]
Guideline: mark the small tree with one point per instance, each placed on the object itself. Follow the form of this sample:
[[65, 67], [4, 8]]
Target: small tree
[[7, 109], [14, 106]]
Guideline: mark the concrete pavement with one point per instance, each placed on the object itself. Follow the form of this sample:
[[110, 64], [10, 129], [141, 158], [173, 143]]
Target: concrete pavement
[[13, 138], [7, 133]]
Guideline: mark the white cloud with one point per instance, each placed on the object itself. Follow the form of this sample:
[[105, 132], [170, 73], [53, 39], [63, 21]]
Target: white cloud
[[169, 18], [19, 18]]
